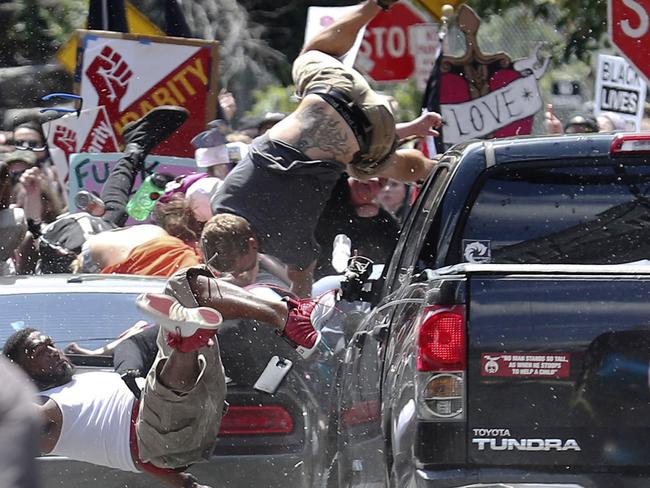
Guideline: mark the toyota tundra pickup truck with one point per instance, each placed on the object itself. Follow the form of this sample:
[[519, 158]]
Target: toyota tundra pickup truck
[[508, 343]]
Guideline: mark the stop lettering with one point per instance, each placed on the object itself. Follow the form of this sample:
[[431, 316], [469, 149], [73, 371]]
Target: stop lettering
[[388, 43]]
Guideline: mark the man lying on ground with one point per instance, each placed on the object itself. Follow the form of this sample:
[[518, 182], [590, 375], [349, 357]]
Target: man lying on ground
[[94, 417]]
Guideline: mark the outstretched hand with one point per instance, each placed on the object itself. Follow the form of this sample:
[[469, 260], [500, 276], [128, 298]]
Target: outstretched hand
[[551, 122], [422, 126]]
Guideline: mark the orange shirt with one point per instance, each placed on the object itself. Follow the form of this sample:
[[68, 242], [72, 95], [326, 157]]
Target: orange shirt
[[162, 256]]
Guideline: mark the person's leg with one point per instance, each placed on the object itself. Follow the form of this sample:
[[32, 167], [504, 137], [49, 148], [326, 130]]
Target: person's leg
[[338, 38], [117, 189], [180, 371], [140, 137]]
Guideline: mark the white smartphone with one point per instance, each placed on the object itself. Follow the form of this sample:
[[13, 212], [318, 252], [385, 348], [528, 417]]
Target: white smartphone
[[273, 374]]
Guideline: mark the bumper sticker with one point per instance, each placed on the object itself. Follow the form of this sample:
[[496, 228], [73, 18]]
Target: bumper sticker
[[528, 365]]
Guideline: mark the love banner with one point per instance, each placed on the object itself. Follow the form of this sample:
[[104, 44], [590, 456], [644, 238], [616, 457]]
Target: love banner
[[130, 74], [488, 95]]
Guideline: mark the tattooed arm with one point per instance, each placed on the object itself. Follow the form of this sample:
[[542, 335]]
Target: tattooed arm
[[317, 130]]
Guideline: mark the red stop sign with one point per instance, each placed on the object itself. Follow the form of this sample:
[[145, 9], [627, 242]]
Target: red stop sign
[[387, 43], [629, 30]]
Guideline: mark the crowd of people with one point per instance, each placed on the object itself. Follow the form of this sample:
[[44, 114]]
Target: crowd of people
[[280, 193]]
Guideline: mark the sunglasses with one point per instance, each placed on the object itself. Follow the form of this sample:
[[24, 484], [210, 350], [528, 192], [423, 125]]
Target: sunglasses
[[36, 145]]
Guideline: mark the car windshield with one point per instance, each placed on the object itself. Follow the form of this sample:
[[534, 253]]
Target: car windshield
[[576, 215], [89, 319]]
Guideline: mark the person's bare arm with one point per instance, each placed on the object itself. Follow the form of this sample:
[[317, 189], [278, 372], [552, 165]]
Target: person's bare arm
[[234, 302], [53, 420], [421, 126], [407, 165], [337, 38]]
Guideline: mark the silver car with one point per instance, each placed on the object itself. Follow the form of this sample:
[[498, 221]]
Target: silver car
[[271, 440]]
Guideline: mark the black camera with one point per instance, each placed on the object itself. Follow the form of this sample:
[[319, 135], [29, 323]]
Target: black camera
[[355, 277]]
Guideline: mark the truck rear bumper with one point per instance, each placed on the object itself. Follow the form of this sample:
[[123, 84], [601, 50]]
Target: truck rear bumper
[[514, 478]]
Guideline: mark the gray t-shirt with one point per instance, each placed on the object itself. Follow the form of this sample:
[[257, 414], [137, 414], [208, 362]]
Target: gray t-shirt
[[282, 194]]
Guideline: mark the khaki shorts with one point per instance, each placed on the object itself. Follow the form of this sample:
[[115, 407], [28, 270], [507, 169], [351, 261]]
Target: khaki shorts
[[315, 69], [175, 430]]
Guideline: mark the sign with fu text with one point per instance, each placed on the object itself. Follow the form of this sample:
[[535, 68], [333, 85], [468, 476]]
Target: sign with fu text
[[130, 74], [89, 171], [620, 89]]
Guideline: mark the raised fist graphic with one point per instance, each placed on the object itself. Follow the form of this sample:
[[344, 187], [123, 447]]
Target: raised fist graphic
[[110, 75], [65, 139]]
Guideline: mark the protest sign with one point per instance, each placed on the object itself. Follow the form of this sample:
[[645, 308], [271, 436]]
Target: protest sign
[[131, 74], [89, 171], [425, 46], [388, 51], [91, 132], [320, 17], [488, 95], [620, 90]]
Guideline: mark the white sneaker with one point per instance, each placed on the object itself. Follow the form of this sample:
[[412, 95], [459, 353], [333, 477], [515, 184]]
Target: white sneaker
[[175, 318]]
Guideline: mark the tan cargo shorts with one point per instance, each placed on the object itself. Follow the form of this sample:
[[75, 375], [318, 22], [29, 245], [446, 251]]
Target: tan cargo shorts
[[175, 430], [314, 70]]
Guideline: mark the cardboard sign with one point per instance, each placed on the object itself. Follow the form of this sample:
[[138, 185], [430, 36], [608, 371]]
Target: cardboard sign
[[130, 75], [488, 95], [620, 90], [91, 132], [320, 17], [526, 365], [89, 171], [425, 45]]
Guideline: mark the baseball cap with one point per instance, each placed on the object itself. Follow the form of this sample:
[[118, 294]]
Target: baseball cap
[[584, 120], [232, 152]]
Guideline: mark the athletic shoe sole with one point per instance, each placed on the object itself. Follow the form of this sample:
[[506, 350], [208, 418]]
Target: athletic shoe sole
[[175, 318]]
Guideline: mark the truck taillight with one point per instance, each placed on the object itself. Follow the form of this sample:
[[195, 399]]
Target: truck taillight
[[441, 363], [630, 144], [441, 339], [256, 420]]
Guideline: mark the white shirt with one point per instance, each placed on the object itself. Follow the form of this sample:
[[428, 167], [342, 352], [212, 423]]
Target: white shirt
[[96, 409]]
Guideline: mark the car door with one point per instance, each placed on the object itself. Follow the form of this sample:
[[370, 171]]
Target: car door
[[362, 414]]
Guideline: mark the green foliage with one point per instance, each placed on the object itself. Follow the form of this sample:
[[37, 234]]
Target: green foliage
[[38, 29], [273, 98], [582, 23], [408, 98]]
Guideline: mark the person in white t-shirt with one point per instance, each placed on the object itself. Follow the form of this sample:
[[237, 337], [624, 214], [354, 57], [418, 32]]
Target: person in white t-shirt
[[94, 417]]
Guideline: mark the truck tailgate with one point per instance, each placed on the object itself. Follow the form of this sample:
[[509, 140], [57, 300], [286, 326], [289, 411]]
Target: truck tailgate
[[558, 369]]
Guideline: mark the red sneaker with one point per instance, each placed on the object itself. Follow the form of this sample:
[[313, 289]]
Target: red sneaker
[[188, 329], [299, 330]]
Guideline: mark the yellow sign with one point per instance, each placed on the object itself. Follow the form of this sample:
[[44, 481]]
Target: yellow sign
[[435, 6], [138, 24]]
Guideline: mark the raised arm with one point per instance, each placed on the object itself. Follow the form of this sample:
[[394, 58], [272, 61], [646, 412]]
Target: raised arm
[[421, 126]]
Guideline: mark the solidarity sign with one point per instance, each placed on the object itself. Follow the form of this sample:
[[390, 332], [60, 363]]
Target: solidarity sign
[[90, 132], [129, 75]]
